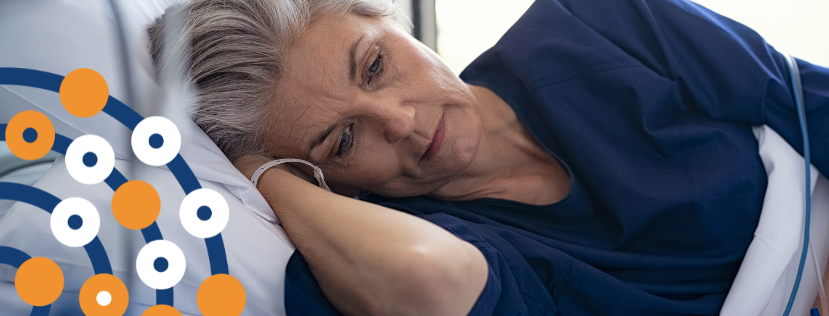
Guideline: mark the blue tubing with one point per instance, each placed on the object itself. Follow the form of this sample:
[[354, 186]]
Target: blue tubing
[[794, 73]]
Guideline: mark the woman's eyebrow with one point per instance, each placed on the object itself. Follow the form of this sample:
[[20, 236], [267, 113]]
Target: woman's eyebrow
[[320, 139], [352, 57]]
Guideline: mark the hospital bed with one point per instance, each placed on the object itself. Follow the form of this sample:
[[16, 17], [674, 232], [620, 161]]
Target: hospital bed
[[59, 36]]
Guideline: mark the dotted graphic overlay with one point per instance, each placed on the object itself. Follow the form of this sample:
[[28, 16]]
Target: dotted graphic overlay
[[136, 205]]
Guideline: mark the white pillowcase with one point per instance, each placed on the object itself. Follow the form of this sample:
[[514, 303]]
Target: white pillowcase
[[768, 271]]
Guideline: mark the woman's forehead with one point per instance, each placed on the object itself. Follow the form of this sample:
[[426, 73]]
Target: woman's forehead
[[331, 48], [315, 84], [317, 65]]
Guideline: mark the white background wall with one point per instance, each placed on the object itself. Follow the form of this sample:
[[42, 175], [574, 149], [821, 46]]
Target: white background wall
[[800, 27], [466, 28]]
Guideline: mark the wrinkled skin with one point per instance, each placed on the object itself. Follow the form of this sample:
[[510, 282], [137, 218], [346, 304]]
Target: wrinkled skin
[[384, 115]]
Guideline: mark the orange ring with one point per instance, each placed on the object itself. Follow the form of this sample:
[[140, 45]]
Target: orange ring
[[40, 146], [119, 295]]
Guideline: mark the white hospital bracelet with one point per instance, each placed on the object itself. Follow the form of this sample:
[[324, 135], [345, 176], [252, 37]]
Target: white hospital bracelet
[[317, 172]]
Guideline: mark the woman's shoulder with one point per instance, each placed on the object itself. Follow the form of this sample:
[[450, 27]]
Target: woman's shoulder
[[549, 44]]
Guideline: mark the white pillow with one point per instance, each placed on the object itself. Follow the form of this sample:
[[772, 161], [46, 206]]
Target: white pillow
[[60, 36], [767, 274]]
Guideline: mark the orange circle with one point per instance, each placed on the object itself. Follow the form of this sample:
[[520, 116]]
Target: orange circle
[[161, 310], [84, 92], [45, 135], [136, 204], [88, 296], [39, 281], [221, 294]]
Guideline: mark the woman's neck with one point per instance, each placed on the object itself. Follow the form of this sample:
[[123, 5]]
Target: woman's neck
[[509, 163]]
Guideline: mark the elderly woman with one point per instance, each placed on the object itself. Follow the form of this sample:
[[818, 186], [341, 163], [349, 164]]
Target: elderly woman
[[598, 160]]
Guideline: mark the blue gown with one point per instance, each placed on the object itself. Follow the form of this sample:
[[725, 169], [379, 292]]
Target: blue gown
[[649, 106]]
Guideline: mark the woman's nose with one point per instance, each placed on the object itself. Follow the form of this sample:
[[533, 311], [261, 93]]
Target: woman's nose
[[396, 120], [399, 123]]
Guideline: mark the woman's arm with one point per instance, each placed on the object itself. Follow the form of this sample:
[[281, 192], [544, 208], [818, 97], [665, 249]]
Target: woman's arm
[[371, 260]]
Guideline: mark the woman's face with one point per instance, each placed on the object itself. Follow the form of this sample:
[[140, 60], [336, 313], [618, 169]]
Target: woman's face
[[374, 108]]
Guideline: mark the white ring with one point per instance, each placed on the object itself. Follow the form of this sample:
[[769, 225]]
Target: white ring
[[145, 266], [90, 144], [188, 213], [60, 222], [141, 141]]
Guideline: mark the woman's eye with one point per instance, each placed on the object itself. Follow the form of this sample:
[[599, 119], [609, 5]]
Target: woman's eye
[[374, 68], [345, 141]]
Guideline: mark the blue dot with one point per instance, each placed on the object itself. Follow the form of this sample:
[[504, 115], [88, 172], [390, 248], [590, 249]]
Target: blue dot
[[29, 135], [160, 264], [204, 213], [156, 141], [90, 159], [75, 222]]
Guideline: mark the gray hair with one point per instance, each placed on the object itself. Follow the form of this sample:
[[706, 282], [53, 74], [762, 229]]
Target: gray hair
[[235, 58]]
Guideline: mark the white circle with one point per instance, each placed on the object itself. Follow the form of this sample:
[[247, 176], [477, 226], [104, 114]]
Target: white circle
[[103, 298], [145, 266], [141, 141], [188, 213], [60, 222], [90, 144]]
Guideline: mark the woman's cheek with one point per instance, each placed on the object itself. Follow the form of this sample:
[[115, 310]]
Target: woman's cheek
[[368, 174], [376, 175]]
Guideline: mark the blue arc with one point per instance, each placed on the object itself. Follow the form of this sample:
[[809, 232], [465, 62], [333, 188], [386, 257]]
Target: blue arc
[[115, 108], [47, 202], [129, 118], [114, 180], [24, 193], [41, 310], [15, 258]]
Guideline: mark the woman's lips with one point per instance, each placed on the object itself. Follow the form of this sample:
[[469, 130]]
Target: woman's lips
[[437, 141]]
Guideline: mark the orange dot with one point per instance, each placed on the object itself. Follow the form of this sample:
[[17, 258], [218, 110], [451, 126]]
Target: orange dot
[[30, 145], [161, 310], [113, 302], [84, 92], [39, 281], [136, 204], [221, 294]]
